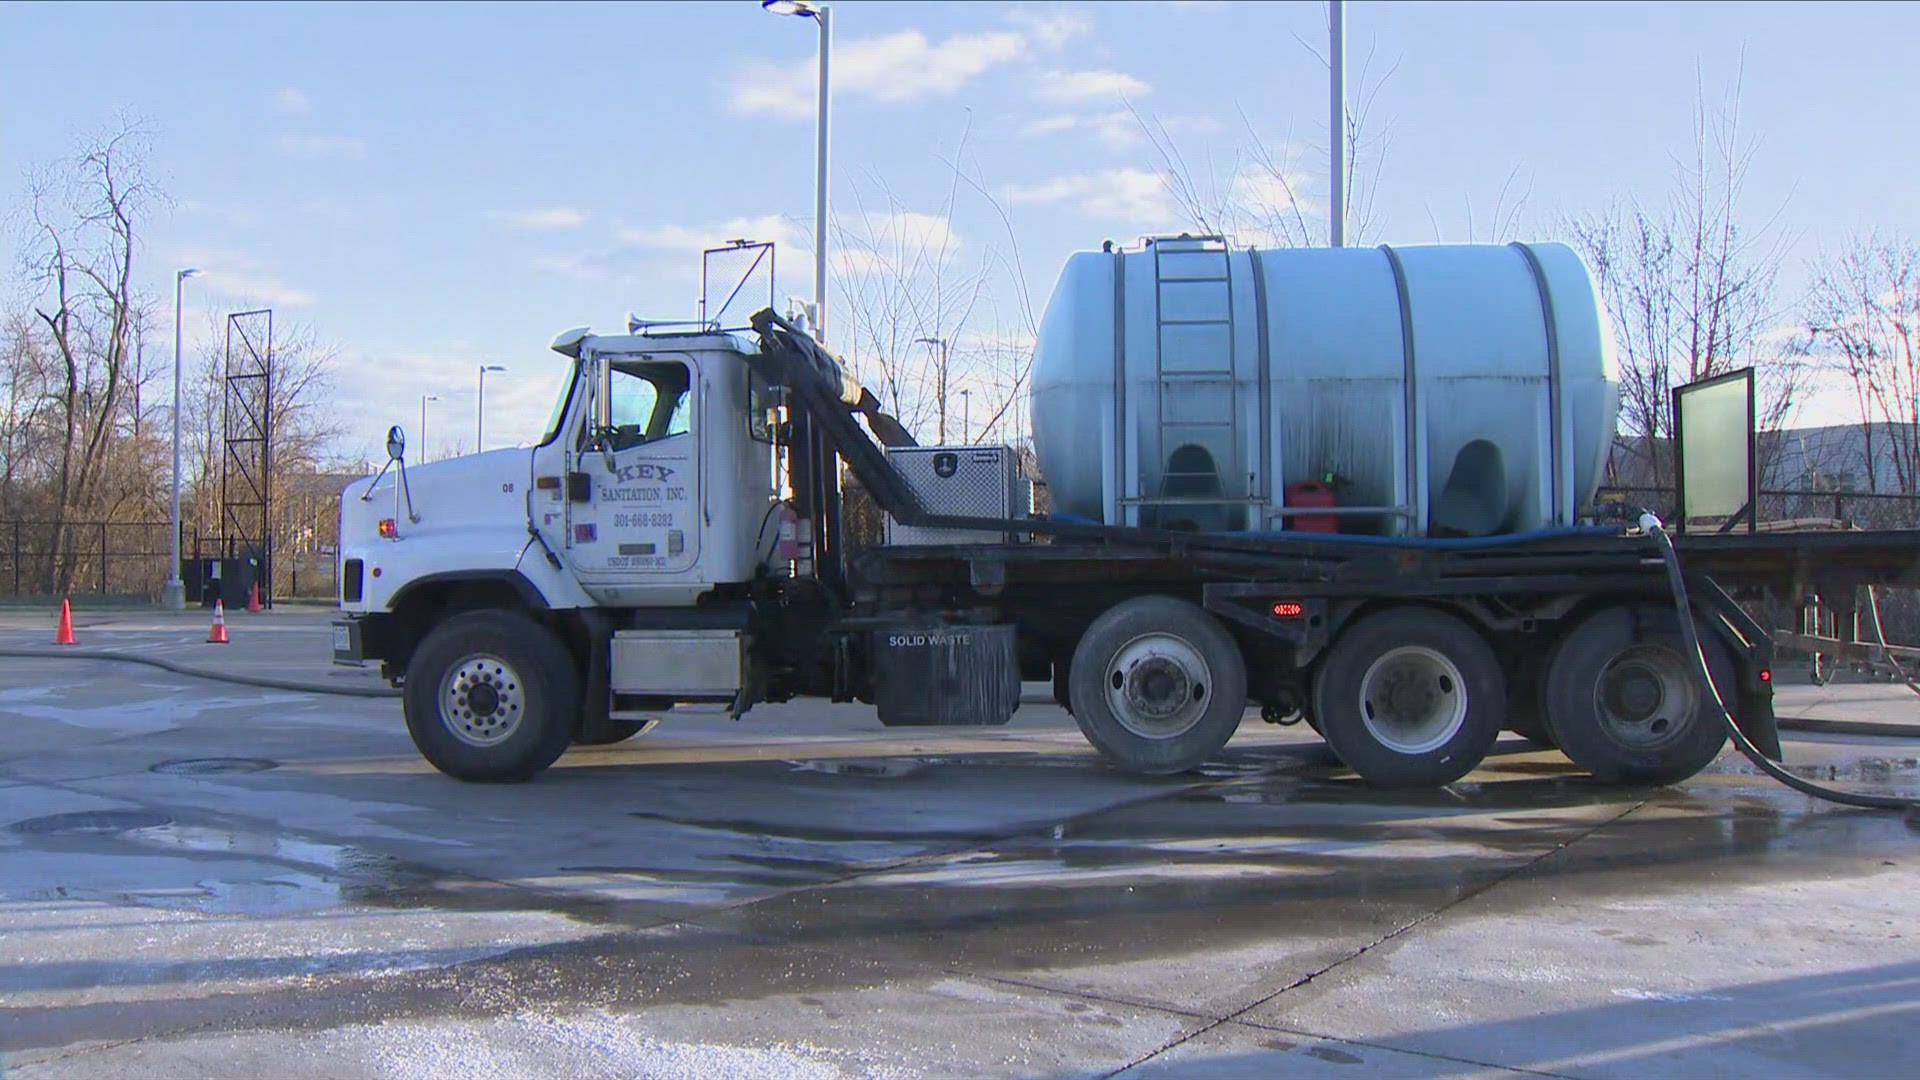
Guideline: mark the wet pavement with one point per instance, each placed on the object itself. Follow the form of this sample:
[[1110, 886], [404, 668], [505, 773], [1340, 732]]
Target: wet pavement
[[208, 880]]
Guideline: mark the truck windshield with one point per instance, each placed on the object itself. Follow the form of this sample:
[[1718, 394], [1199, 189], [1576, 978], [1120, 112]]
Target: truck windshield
[[551, 430]]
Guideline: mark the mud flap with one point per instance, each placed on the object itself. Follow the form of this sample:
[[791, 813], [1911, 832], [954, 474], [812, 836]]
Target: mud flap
[[1753, 707]]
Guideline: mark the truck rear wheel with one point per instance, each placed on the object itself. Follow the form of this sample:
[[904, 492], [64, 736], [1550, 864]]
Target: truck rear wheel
[[491, 696], [1157, 686], [1624, 699], [1410, 698]]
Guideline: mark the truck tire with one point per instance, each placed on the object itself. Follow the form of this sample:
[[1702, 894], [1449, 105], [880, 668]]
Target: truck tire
[[491, 696], [1157, 686], [607, 730], [1411, 697], [1624, 700]]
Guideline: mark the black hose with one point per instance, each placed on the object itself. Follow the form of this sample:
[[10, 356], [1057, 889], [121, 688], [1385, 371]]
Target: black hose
[[262, 682], [1684, 608]]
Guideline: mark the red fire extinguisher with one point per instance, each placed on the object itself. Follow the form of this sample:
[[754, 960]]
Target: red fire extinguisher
[[787, 533]]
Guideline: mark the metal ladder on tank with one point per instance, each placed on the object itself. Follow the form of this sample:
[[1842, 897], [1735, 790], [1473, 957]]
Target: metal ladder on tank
[[1173, 429]]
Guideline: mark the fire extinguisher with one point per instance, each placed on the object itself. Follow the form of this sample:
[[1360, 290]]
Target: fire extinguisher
[[786, 547]]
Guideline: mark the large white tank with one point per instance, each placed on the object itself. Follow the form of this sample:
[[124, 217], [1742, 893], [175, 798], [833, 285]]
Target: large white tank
[[1464, 390]]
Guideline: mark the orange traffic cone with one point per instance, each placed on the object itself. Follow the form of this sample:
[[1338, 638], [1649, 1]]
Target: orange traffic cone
[[253, 597], [218, 635], [64, 636]]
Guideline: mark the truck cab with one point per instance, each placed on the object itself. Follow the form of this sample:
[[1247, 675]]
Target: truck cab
[[652, 489], [649, 487]]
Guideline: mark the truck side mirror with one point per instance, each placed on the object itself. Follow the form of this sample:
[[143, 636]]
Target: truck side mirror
[[579, 487]]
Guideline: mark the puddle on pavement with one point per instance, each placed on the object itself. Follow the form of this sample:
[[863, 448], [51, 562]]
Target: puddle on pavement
[[867, 768], [1865, 770], [287, 874], [90, 823], [223, 766]]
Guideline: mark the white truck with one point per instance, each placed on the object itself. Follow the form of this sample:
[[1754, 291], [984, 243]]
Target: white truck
[[677, 536]]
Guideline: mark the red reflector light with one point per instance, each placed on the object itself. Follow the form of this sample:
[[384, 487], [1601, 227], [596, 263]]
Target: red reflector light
[[389, 528], [1766, 675], [1289, 609]]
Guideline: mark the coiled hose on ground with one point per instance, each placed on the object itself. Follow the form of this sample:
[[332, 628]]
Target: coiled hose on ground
[[1683, 607]]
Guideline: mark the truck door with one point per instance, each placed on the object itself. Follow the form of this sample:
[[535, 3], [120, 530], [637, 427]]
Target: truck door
[[640, 454]]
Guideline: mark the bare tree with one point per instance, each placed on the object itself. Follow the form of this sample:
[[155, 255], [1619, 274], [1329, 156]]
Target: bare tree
[[1691, 290], [906, 298], [83, 223], [1862, 319], [1260, 196]]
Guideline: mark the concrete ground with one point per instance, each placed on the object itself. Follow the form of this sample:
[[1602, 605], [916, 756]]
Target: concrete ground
[[207, 880]]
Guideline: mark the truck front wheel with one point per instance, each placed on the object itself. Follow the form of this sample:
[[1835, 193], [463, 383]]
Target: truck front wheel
[[1410, 698], [491, 696], [1157, 685]]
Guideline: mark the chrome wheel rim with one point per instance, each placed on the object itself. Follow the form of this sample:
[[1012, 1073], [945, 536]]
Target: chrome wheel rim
[[1158, 686], [1646, 697], [1413, 700], [482, 700]]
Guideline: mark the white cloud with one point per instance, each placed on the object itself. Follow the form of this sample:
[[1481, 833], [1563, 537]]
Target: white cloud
[[1088, 87], [1270, 192], [641, 253], [321, 146], [548, 217], [237, 277], [292, 101], [895, 242], [1051, 29], [695, 239], [1135, 196], [1118, 128], [1043, 126], [891, 69], [909, 229]]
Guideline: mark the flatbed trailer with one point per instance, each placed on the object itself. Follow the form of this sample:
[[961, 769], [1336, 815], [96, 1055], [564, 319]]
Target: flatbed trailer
[[1410, 656]]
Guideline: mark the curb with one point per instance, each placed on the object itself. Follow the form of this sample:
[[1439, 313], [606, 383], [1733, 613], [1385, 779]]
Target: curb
[[201, 673]]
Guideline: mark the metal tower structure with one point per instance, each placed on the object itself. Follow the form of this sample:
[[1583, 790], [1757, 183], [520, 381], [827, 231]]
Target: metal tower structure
[[246, 465]]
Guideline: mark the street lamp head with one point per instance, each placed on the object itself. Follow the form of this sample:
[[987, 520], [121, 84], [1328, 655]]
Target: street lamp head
[[187, 273], [934, 341], [491, 367], [792, 7]]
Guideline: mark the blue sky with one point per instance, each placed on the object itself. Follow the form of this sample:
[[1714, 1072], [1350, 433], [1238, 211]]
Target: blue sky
[[439, 186]]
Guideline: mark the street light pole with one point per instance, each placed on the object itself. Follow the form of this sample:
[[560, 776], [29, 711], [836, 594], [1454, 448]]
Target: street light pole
[[424, 398], [820, 14], [480, 410], [174, 593], [966, 417], [1337, 121]]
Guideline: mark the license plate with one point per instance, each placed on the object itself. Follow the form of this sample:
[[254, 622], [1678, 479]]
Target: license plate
[[342, 638]]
